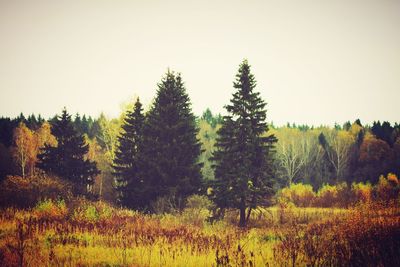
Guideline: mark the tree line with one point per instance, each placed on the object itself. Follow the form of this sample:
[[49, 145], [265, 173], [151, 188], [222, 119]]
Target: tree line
[[167, 153], [350, 153]]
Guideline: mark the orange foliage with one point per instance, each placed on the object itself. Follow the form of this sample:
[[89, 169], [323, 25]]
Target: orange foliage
[[24, 151], [301, 195], [387, 188], [332, 196], [50, 210], [27, 145], [368, 236], [392, 179], [373, 150], [26, 192]]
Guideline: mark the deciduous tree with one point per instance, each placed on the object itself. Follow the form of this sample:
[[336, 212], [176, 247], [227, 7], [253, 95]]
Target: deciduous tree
[[25, 147], [337, 147]]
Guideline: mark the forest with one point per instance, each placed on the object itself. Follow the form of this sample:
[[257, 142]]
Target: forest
[[161, 186]]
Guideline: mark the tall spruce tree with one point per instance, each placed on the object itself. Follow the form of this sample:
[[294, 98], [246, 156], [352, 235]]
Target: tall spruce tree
[[68, 159], [126, 159], [169, 159], [243, 157]]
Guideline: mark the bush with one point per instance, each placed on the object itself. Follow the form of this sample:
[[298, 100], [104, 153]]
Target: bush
[[197, 211], [49, 209], [167, 204], [327, 196], [85, 211], [301, 195], [362, 192], [333, 196], [387, 188], [26, 192], [199, 202], [365, 238], [285, 211], [369, 235]]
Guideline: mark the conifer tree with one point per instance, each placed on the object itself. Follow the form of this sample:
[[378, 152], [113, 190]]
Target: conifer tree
[[126, 158], [169, 159], [68, 159], [84, 125], [78, 123], [243, 156]]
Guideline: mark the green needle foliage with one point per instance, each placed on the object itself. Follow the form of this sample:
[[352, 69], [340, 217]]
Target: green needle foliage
[[126, 171], [170, 151], [243, 156], [68, 159]]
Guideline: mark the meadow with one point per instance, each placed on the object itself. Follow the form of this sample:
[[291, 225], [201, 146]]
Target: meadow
[[85, 233]]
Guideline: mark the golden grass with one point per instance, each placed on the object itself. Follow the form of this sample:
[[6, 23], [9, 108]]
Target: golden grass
[[128, 238]]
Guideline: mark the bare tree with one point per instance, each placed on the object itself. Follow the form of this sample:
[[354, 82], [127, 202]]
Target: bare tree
[[337, 148], [293, 152]]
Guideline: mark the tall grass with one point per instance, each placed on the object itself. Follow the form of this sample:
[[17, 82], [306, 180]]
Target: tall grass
[[96, 234]]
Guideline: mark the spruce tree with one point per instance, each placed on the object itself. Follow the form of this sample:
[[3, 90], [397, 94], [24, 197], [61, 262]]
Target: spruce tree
[[128, 182], [169, 159], [68, 159], [78, 123], [243, 157], [84, 125]]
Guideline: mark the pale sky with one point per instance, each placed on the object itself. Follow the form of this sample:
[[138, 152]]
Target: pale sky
[[316, 62]]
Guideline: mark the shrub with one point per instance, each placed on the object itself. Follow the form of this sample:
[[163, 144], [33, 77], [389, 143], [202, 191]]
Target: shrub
[[26, 192], [289, 246], [365, 238], [327, 196], [392, 179], [85, 211], [362, 192], [199, 202], [387, 188], [369, 235], [197, 211], [166, 204], [49, 209], [86, 214], [333, 196], [285, 211], [302, 195]]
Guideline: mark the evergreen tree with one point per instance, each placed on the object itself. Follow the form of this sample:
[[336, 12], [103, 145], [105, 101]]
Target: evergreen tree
[[32, 122], [21, 118], [40, 120], [78, 124], [243, 156], [85, 125], [7, 127], [210, 118], [89, 125], [169, 158], [95, 129], [68, 159], [207, 116], [126, 158]]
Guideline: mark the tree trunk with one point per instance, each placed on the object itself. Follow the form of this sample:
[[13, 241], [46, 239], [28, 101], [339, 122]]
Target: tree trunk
[[242, 219], [101, 187], [23, 170], [248, 214]]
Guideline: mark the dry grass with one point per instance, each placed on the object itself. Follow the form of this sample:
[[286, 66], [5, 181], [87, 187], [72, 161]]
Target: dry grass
[[98, 235]]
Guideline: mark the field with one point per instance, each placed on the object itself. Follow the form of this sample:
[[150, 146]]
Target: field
[[96, 234]]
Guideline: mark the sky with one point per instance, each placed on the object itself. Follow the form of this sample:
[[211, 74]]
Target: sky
[[315, 62]]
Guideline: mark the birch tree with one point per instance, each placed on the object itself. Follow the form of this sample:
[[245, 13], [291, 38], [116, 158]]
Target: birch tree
[[24, 149]]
